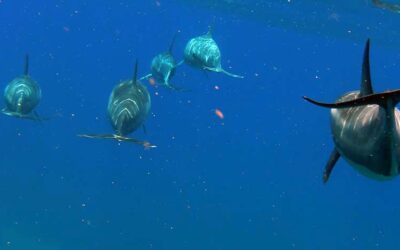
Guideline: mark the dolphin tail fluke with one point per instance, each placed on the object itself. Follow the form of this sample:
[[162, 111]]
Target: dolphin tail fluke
[[145, 144], [366, 83], [335, 155]]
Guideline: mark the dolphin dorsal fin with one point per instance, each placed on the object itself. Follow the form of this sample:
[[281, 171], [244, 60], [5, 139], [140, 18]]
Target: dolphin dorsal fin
[[366, 84], [210, 30], [171, 45], [211, 27], [26, 67], [135, 70]]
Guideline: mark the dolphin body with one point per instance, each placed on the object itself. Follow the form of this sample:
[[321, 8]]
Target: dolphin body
[[163, 68], [22, 95], [128, 107], [203, 52], [366, 129]]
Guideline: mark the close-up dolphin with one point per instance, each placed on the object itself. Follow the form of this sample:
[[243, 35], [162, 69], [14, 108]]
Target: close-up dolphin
[[365, 128]]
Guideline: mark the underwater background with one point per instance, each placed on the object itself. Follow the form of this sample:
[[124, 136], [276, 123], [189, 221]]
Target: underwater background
[[252, 180]]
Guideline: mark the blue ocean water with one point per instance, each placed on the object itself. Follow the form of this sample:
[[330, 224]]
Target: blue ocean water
[[252, 180]]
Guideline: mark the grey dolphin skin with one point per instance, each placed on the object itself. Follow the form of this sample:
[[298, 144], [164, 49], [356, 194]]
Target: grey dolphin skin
[[366, 129], [22, 95], [128, 107], [203, 52], [387, 6], [163, 68]]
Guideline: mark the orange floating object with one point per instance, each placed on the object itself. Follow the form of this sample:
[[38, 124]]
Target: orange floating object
[[152, 81], [219, 113]]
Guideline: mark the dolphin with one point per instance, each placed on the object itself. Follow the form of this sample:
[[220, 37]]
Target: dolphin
[[22, 95], [365, 128], [203, 52], [128, 107], [387, 6], [163, 68]]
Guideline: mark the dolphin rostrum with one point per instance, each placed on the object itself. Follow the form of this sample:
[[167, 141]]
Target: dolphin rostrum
[[163, 68], [366, 129], [203, 52], [128, 107], [22, 95]]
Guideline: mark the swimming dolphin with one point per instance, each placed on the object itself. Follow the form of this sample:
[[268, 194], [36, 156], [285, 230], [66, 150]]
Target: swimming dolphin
[[366, 129], [203, 52], [163, 68], [128, 107], [387, 6], [22, 95]]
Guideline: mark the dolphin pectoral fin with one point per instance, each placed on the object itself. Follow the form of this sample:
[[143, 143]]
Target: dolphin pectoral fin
[[33, 116], [145, 144], [36, 115], [6, 112], [14, 114], [230, 74], [366, 83], [97, 136], [223, 71], [145, 77], [378, 99], [38, 118], [175, 88], [179, 63], [206, 74], [335, 155]]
